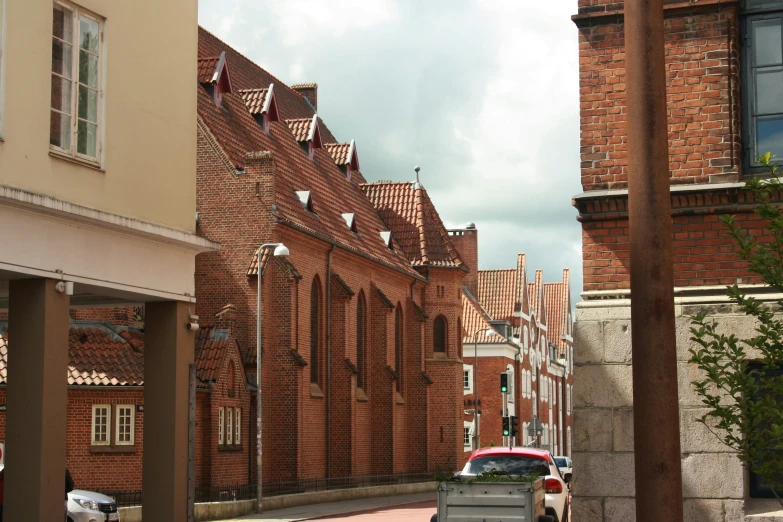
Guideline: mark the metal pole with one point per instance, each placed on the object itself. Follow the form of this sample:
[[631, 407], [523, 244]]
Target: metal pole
[[259, 459], [656, 413], [476, 439]]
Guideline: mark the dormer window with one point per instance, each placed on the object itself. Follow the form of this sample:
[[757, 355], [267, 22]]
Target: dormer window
[[387, 238], [307, 133], [350, 220], [306, 199], [345, 157], [262, 104], [213, 74]]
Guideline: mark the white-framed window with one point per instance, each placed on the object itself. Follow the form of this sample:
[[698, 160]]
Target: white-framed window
[[467, 379], [467, 435], [2, 63], [101, 424], [221, 426], [568, 399], [554, 392], [125, 415], [526, 340], [77, 83], [511, 383], [237, 426], [568, 439], [229, 426]]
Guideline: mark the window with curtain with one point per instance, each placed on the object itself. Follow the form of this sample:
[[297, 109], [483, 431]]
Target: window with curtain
[[762, 59], [439, 335], [360, 312], [315, 332], [398, 346]]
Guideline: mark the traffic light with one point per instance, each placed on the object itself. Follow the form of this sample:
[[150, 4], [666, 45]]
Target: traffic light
[[503, 382], [514, 426], [506, 426]]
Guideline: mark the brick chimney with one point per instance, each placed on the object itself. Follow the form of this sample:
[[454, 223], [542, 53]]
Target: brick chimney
[[308, 91], [465, 240], [225, 318]]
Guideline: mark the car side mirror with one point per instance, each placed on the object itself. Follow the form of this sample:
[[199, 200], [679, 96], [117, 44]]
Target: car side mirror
[[456, 476], [567, 478]]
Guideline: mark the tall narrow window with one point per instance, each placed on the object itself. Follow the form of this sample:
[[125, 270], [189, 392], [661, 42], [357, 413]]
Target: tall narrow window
[[360, 341], [314, 330], [439, 335], [76, 83], [229, 426], [221, 426], [237, 426], [125, 417], [101, 424], [398, 346], [459, 337]]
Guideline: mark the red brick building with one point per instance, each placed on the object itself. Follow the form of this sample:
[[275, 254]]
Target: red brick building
[[725, 108], [361, 343], [106, 403], [531, 341]]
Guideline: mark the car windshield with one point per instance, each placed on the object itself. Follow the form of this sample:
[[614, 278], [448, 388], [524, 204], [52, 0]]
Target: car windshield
[[561, 462], [511, 464]]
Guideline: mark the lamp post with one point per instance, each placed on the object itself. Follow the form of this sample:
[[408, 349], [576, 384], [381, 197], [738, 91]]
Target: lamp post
[[280, 251], [476, 418]]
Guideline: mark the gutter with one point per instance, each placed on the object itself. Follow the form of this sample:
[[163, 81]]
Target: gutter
[[329, 362]]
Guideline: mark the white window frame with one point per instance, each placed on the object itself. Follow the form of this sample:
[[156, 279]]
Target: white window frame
[[107, 442], [568, 438], [511, 387], [467, 426], [568, 398], [99, 131], [229, 426], [221, 425], [469, 369], [2, 65], [117, 410], [237, 426]]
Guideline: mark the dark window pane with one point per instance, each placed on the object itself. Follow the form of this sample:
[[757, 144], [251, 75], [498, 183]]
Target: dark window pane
[[61, 94], [758, 4], [62, 56], [769, 91], [60, 130], [398, 347], [439, 335], [769, 136], [88, 34], [767, 43], [314, 332], [62, 23], [88, 69], [87, 139], [88, 104]]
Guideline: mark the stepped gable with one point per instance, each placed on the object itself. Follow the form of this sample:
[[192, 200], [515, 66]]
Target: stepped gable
[[411, 217], [558, 304], [238, 134], [535, 292]]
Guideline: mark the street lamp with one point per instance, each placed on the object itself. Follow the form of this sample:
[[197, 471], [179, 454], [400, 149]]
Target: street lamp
[[476, 418], [280, 251]]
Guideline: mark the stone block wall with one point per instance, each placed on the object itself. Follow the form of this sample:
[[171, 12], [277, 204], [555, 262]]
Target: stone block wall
[[714, 480]]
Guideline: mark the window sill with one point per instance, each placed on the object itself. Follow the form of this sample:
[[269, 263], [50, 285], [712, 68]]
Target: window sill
[[361, 396], [230, 449], [399, 398], [315, 391], [78, 161], [439, 355], [113, 449]]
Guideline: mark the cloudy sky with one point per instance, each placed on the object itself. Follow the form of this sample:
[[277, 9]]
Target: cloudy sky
[[481, 94]]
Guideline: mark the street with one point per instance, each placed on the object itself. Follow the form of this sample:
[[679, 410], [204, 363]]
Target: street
[[420, 511]]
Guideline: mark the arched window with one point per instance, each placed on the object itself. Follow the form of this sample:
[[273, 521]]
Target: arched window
[[398, 333], [439, 335], [360, 341], [459, 337], [315, 331]]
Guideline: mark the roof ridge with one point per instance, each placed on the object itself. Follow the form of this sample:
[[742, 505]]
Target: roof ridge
[[418, 200]]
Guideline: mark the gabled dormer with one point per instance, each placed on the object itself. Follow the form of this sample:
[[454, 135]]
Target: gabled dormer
[[262, 104], [350, 220], [306, 199], [387, 238], [307, 133], [214, 76], [345, 157]]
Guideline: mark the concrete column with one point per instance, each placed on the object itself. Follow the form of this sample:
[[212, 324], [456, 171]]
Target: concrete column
[[168, 353], [37, 399]]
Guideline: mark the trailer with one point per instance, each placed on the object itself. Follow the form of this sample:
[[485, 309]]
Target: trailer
[[477, 501]]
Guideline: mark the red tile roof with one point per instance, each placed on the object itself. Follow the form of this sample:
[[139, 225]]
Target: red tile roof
[[238, 134], [497, 293], [475, 318], [558, 307], [207, 67], [254, 99], [301, 128], [408, 212], [340, 152], [100, 354], [537, 304]]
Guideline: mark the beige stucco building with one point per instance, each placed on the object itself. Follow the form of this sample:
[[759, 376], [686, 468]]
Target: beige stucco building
[[97, 206]]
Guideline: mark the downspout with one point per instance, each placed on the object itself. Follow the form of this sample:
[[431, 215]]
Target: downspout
[[329, 362]]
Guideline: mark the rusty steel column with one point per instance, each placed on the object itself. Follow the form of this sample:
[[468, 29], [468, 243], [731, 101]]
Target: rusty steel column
[[656, 413]]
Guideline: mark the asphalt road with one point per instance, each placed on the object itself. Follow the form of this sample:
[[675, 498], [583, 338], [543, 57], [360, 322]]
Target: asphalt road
[[418, 512]]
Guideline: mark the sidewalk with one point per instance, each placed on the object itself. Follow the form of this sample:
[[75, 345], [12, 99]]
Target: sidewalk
[[313, 511]]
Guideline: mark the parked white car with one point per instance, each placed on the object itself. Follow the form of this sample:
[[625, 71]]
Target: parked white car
[[564, 464], [524, 461], [88, 506]]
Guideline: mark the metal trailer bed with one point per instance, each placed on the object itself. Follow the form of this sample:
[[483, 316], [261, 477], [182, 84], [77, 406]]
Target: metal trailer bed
[[491, 502]]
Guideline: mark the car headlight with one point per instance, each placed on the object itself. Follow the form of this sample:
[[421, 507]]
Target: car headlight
[[88, 504]]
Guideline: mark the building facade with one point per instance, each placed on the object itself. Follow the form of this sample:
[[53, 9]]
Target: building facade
[[97, 206], [724, 92], [360, 343]]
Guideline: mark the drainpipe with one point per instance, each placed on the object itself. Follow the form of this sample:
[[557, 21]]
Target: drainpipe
[[653, 343], [329, 362]]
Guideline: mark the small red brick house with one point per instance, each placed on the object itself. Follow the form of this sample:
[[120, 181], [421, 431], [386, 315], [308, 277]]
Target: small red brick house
[[106, 403]]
